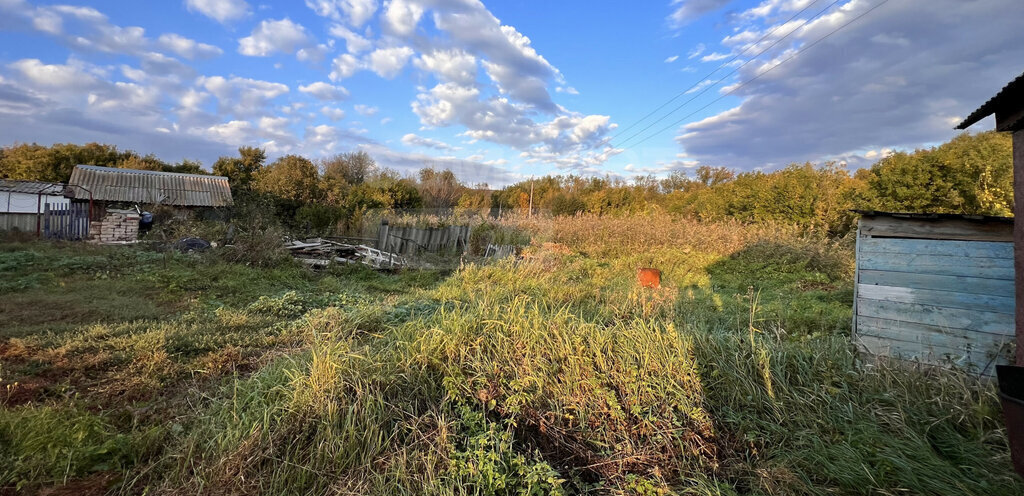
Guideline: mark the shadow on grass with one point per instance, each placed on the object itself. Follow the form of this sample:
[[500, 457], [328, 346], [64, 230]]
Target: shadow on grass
[[803, 289]]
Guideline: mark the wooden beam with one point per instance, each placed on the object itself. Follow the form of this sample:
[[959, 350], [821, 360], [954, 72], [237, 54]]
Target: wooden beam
[[948, 299], [1018, 238], [976, 249], [1010, 117], [955, 229], [956, 284]]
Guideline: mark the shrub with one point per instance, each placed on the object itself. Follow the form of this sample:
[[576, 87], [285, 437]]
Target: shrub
[[487, 233], [258, 237]]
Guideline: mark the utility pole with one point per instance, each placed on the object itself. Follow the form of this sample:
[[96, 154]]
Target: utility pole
[[531, 197]]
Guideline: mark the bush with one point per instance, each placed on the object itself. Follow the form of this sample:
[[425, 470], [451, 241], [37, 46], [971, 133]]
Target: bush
[[567, 205], [487, 233], [258, 237]]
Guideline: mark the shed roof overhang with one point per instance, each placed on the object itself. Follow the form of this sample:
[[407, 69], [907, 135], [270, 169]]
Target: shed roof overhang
[[1007, 105]]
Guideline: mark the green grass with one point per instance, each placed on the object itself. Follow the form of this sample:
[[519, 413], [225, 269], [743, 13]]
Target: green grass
[[550, 375]]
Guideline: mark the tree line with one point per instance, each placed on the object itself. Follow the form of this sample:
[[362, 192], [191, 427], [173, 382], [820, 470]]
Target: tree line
[[971, 174]]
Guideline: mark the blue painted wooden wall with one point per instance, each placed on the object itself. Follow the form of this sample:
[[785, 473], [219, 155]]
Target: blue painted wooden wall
[[926, 291]]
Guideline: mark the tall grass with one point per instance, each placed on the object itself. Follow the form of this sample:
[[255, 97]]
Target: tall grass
[[552, 374]]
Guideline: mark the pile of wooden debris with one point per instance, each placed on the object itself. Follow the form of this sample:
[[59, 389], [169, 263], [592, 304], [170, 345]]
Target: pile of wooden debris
[[320, 252]]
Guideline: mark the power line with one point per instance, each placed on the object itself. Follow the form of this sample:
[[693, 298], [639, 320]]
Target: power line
[[766, 71], [738, 55], [734, 71]]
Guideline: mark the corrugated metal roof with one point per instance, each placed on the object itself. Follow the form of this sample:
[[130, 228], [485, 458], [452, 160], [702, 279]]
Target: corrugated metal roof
[[139, 186], [32, 187], [1014, 89], [929, 216]]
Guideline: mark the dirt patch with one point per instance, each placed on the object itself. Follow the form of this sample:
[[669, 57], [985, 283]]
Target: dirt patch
[[816, 286], [98, 483]]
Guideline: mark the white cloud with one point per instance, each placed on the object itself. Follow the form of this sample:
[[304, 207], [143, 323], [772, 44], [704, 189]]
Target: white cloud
[[852, 93], [219, 10], [669, 60], [313, 53], [415, 140], [160, 65], [449, 65], [686, 11], [47, 21], [272, 36], [232, 132], [714, 57], [354, 43], [566, 141], [84, 13], [86, 29], [193, 100], [466, 170], [511, 61], [241, 96], [187, 48], [402, 16], [322, 140], [54, 75], [334, 114], [511, 104], [355, 12], [367, 110], [344, 66], [697, 51], [388, 62], [325, 91]]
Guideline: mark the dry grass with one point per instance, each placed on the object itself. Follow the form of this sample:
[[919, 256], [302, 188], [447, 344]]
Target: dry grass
[[552, 374]]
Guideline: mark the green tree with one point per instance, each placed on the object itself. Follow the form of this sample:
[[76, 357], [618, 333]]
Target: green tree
[[186, 166], [341, 172], [290, 177], [133, 160], [971, 174], [241, 170], [439, 189], [36, 162], [563, 204]]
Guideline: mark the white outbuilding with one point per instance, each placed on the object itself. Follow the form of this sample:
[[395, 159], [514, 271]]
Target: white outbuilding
[[22, 203]]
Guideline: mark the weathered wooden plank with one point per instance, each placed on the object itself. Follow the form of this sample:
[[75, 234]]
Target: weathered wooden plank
[[976, 361], [983, 249], [948, 337], [974, 320], [928, 352], [956, 284], [989, 268], [949, 299], [955, 229]]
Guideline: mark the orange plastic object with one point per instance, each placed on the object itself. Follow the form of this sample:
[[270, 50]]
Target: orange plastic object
[[649, 278]]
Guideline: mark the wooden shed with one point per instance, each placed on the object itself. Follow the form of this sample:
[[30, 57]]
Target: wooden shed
[[935, 289]]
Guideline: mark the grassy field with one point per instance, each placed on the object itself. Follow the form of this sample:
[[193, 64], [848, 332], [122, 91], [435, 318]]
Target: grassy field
[[132, 371]]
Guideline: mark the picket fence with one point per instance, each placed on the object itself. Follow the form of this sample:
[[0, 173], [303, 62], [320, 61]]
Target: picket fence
[[66, 221]]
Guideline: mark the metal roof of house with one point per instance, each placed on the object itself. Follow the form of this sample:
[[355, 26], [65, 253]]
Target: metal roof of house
[[1013, 91], [153, 187], [31, 187]]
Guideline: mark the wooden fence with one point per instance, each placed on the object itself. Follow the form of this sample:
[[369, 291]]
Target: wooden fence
[[501, 251], [413, 240], [68, 222]]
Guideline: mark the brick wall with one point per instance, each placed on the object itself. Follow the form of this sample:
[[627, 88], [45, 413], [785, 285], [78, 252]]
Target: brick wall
[[117, 226]]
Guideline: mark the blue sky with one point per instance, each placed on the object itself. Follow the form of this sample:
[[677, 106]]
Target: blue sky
[[502, 90]]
